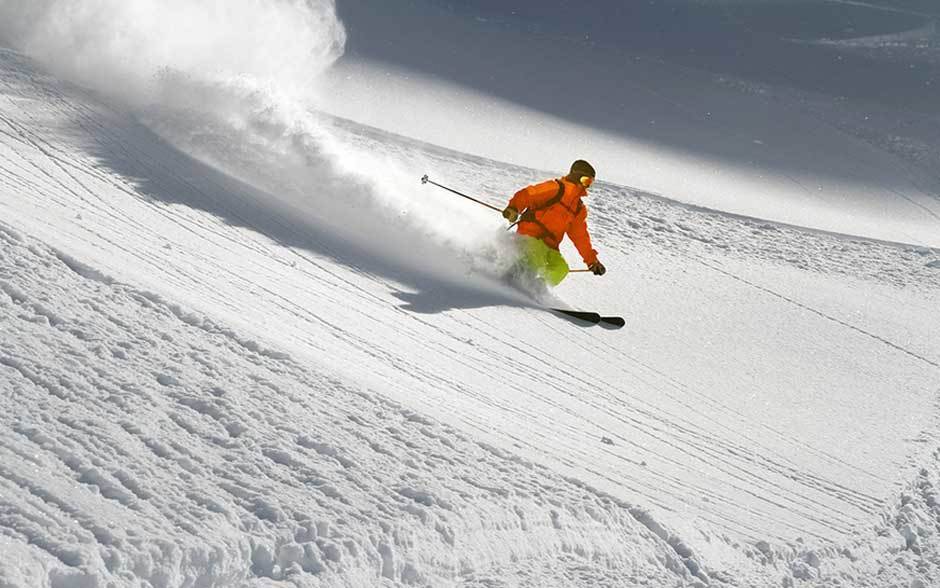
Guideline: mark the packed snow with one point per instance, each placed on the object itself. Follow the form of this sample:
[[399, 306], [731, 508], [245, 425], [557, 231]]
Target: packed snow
[[242, 344]]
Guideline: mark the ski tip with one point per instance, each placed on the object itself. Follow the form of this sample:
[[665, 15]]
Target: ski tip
[[613, 322]]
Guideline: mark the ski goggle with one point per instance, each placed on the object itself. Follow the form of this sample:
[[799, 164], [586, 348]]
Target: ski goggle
[[586, 181]]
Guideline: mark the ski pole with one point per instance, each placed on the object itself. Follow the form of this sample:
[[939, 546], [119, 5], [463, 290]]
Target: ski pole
[[425, 180]]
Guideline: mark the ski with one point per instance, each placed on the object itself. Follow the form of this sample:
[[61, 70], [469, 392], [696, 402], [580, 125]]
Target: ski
[[592, 317], [614, 321], [589, 317]]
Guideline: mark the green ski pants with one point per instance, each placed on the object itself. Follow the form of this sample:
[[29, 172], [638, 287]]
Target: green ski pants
[[545, 262]]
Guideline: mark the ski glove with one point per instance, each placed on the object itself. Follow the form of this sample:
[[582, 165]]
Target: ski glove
[[511, 214], [598, 268]]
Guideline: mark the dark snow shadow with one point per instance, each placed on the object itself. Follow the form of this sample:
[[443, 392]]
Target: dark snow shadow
[[689, 76], [433, 299], [509, 51]]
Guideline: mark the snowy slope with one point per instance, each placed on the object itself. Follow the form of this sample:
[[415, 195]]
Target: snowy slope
[[233, 348], [146, 443]]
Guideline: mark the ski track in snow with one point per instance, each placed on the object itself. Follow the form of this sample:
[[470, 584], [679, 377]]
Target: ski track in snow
[[329, 431], [143, 441]]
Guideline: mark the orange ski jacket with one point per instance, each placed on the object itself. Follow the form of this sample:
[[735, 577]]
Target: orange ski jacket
[[552, 209]]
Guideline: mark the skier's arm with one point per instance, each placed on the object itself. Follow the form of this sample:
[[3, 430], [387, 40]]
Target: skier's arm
[[534, 196], [578, 233]]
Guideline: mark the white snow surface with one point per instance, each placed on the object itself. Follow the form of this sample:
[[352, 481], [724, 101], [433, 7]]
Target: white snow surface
[[244, 347]]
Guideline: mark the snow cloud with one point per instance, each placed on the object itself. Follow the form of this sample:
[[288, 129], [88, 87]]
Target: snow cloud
[[122, 46], [234, 84]]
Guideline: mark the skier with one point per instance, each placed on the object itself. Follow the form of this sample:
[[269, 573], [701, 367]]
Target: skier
[[549, 210]]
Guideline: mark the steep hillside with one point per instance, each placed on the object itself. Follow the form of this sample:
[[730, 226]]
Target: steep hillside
[[238, 350]]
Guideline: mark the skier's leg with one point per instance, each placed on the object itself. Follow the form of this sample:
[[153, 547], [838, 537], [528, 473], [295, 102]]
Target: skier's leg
[[556, 268], [543, 261], [534, 254]]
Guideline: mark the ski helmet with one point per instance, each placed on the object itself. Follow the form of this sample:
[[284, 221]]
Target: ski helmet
[[582, 168]]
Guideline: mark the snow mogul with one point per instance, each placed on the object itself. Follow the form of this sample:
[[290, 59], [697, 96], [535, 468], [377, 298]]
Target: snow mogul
[[543, 213]]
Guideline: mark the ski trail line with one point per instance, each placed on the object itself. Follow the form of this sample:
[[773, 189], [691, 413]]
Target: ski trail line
[[874, 6], [823, 315]]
